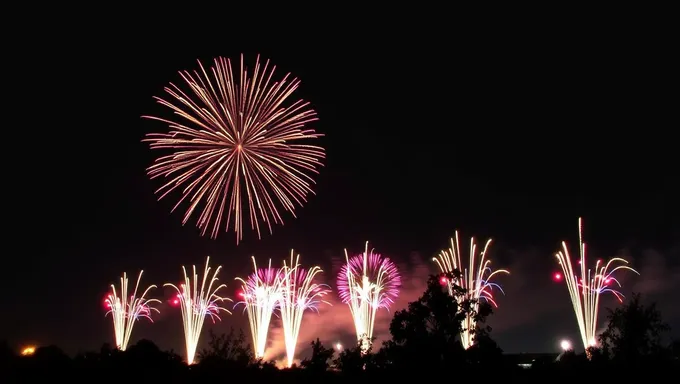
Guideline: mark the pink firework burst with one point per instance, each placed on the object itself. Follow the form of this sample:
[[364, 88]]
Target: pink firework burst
[[264, 284], [366, 283], [381, 273]]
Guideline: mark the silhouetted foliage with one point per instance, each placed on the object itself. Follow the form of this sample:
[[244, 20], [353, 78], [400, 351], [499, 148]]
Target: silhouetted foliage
[[319, 361], [227, 349], [51, 354], [352, 362], [485, 350], [634, 333], [426, 335]]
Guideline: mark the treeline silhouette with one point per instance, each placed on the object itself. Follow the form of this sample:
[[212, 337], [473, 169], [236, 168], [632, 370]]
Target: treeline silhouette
[[425, 344]]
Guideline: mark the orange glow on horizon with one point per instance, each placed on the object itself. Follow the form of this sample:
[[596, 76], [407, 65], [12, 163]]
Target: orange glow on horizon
[[28, 351]]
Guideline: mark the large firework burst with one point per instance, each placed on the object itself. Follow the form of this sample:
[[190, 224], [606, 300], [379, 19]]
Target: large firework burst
[[236, 147]]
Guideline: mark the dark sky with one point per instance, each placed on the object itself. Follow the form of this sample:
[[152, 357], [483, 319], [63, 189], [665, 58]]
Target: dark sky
[[505, 134]]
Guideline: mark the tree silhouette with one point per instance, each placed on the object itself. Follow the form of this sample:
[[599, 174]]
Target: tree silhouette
[[634, 332], [231, 348], [51, 354], [146, 353], [50, 359], [425, 335], [319, 360], [353, 361], [105, 350], [485, 350]]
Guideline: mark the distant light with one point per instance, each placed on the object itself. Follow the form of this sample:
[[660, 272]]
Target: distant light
[[28, 351], [338, 346], [443, 280], [557, 276], [566, 345]]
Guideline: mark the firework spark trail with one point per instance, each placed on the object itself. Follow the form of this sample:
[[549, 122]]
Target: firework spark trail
[[585, 291], [475, 281], [236, 144], [299, 293], [261, 293], [366, 283], [126, 312], [197, 303]]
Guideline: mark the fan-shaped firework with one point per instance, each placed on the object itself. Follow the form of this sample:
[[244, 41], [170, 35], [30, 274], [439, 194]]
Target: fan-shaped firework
[[475, 280], [585, 290], [196, 303], [367, 282], [299, 293], [126, 310], [261, 293], [237, 149]]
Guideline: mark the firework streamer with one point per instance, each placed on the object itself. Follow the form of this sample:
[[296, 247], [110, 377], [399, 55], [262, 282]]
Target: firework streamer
[[125, 311], [366, 283], [261, 293], [238, 149], [196, 303], [475, 280], [585, 290], [299, 293]]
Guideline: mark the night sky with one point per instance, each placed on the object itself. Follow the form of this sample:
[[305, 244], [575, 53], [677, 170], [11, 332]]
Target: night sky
[[504, 135]]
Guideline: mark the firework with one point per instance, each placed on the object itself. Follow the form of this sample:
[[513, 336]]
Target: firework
[[475, 280], [585, 290], [299, 293], [236, 147], [126, 311], [261, 293], [366, 283], [196, 303]]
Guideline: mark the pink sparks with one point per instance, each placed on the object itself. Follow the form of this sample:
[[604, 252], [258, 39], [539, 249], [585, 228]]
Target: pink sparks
[[372, 269], [263, 283]]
